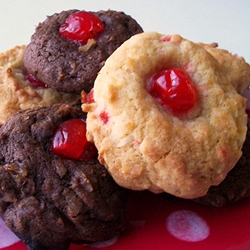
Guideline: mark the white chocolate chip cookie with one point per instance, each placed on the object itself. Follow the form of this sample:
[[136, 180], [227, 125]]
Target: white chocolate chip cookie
[[145, 145]]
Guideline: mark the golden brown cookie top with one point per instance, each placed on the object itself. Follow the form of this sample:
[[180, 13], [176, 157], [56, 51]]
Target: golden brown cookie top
[[234, 66], [145, 146], [12, 57], [16, 92]]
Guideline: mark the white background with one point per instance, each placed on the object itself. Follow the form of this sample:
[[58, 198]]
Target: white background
[[226, 22]]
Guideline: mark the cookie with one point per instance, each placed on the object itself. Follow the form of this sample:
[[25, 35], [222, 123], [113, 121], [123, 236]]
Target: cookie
[[234, 66], [67, 65], [17, 93], [236, 185], [149, 140], [49, 201]]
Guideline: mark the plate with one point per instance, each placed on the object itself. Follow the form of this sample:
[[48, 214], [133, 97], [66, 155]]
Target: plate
[[155, 221], [160, 222]]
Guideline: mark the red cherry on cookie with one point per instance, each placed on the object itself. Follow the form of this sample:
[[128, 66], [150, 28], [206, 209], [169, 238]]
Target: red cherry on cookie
[[69, 141], [81, 26], [34, 82], [174, 89]]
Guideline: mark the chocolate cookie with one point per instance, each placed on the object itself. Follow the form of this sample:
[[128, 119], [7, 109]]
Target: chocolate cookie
[[237, 183], [48, 201], [17, 92], [68, 65]]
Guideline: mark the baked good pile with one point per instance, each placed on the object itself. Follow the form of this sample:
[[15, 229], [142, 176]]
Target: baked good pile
[[94, 108], [53, 189]]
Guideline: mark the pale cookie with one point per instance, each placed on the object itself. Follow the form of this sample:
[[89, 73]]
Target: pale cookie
[[16, 92], [234, 66], [143, 145]]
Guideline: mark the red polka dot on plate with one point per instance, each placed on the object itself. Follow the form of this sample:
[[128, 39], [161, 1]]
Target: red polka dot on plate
[[187, 226], [7, 238]]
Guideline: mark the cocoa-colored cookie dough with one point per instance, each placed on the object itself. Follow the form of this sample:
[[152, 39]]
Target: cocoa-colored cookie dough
[[67, 65], [48, 201]]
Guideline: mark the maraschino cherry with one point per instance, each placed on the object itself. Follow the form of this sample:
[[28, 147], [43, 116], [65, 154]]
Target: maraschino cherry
[[69, 141], [34, 82], [81, 26], [173, 89]]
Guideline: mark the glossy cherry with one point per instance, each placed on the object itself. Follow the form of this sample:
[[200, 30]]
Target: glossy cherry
[[173, 89], [34, 82], [69, 141], [81, 26]]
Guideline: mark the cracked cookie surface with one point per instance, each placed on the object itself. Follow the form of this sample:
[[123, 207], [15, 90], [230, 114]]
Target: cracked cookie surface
[[68, 66], [144, 146], [49, 201]]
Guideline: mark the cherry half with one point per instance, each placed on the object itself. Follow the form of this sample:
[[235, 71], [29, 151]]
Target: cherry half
[[69, 141], [81, 26], [34, 82], [173, 89]]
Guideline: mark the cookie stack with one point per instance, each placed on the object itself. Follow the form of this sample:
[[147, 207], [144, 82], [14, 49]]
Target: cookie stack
[[97, 107], [53, 194]]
